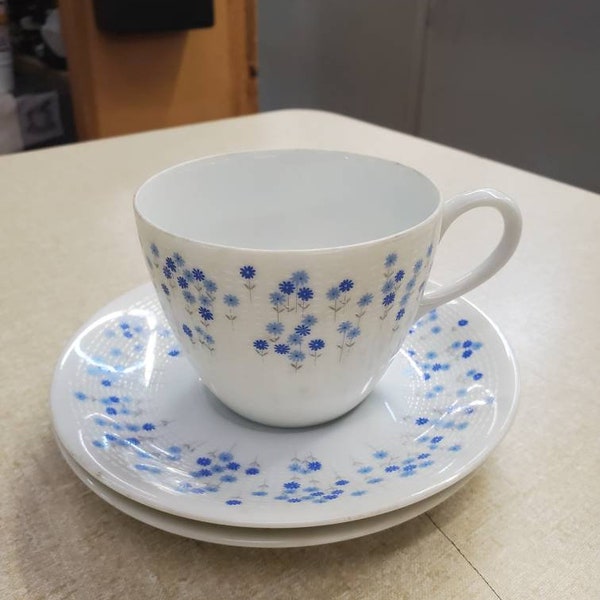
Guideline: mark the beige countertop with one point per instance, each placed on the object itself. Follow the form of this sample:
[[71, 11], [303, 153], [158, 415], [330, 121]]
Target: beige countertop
[[527, 525]]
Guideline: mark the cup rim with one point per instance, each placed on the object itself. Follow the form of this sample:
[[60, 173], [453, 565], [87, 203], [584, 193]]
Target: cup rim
[[297, 251]]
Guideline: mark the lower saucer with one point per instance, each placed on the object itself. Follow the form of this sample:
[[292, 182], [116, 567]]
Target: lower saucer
[[130, 410], [254, 537]]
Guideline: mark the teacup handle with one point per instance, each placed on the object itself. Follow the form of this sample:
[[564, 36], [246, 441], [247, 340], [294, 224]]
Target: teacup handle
[[453, 209]]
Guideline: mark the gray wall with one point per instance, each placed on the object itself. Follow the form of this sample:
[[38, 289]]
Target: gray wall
[[514, 80]]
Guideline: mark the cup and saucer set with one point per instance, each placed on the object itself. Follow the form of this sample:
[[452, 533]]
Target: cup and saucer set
[[290, 377]]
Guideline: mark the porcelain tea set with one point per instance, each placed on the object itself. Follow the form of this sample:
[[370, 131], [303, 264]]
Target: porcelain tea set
[[290, 376]]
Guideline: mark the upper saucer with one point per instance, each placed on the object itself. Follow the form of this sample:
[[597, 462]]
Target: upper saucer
[[129, 408]]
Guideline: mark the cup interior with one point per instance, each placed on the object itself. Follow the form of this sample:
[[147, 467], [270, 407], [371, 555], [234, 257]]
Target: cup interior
[[287, 199]]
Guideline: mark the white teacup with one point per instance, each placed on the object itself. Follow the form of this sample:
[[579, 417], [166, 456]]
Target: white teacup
[[291, 277]]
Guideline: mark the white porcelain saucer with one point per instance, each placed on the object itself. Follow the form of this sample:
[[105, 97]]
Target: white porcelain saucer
[[254, 537], [129, 409]]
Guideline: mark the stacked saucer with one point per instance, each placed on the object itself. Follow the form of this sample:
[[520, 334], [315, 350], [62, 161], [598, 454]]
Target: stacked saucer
[[137, 426]]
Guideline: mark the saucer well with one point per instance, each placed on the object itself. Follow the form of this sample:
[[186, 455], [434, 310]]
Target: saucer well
[[130, 410], [255, 537]]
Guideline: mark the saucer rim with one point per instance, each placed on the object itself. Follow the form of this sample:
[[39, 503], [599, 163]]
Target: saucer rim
[[141, 497], [257, 537]]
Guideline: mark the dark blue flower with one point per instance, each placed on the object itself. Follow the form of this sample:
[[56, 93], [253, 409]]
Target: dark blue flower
[[261, 345], [299, 278], [189, 297], [333, 293], [316, 344], [201, 473], [400, 314], [167, 273], [231, 300], [294, 339], [275, 328], [209, 339], [399, 276], [210, 286], [198, 274], [204, 461], [178, 259], [281, 348], [187, 330], [182, 283], [276, 298], [154, 250], [148, 427], [365, 300], [437, 439], [287, 287], [297, 356], [291, 485], [346, 285], [170, 264], [205, 313], [314, 465], [302, 330], [165, 289], [344, 327], [463, 322], [391, 259], [389, 299], [421, 420], [247, 272], [252, 471], [387, 287], [305, 294], [354, 333]]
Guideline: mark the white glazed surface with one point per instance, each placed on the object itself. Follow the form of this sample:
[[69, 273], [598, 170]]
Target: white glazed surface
[[292, 277], [253, 537], [129, 409]]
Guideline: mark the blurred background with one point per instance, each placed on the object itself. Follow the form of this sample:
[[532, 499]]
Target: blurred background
[[514, 80]]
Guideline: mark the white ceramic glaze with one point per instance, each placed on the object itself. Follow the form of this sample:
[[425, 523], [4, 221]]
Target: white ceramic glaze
[[130, 409], [253, 537], [292, 277]]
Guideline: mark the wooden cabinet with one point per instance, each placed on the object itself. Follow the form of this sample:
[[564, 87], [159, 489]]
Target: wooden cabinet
[[123, 83]]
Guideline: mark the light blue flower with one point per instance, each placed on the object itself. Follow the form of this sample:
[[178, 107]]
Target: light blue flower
[[333, 293], [154, 250], [309, 320], [391, 259], [387, 287], [344, 327], [276, 298], [210, 286], [353, 333], [365, 300], [178, 259], [418, 266], [231, 300], [275, 328], [297, 356], [189, 297], [294, 339], [205, 300], [299, 278]]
